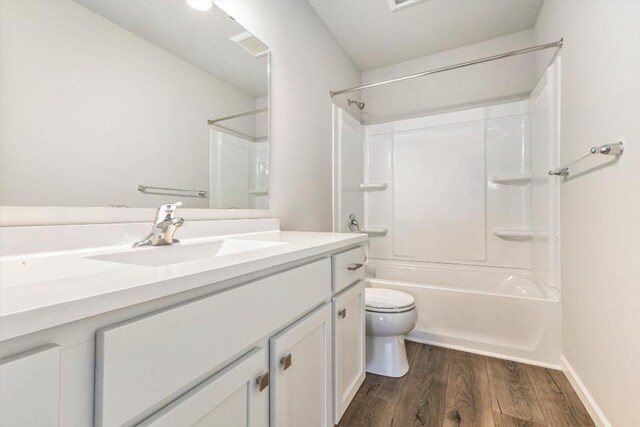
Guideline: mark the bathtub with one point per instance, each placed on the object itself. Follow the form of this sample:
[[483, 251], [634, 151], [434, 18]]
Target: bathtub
[[492, 311]]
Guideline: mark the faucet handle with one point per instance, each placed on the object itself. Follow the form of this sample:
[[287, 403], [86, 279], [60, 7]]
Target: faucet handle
[[172, 206], [167, 211]]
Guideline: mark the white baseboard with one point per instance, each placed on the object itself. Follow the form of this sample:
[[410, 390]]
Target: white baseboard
[[587, 400]]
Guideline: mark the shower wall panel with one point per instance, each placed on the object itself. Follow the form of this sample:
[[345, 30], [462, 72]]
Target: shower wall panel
[[229, 176], [378, 205], [508, 155], [441, 204], [239, 172], [439, 198], [545, 198], [348, 147]]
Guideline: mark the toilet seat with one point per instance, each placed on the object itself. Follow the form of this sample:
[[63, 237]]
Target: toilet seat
[[380, 300]]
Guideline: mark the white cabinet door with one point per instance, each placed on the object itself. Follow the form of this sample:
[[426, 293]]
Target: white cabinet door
[[301, 372], [30, 388], [348, 347], [233, 397]]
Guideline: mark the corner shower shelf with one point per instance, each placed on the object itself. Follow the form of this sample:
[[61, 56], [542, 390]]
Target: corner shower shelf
[[512, 179], [513, 233], [374, 186], [374, 231], [259, 191], [518, 233]]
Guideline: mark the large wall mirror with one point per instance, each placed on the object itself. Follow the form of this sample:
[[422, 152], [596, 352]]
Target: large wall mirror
[[131, 103]]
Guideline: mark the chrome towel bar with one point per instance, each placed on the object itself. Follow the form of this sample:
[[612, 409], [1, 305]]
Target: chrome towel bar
[[145, 189], [615, 149]]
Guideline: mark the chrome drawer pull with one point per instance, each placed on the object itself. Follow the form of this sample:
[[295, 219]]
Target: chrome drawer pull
[[286, 361], [354, 267], [263, 381], [342, 313]]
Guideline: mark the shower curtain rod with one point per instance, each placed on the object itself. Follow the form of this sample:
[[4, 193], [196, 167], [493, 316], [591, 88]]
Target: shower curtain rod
[[234, 116], [557, 44]]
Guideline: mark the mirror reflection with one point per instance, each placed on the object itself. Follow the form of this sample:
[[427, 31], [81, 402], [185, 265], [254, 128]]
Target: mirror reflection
[[131, 103]]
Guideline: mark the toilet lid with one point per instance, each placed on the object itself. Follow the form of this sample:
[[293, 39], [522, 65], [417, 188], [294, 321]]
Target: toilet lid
[[385, 300]]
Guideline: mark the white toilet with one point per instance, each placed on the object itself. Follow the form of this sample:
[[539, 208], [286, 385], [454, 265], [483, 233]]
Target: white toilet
[[389, 316]]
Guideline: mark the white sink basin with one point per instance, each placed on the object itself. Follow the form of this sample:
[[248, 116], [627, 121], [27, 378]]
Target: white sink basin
[[178, 252]]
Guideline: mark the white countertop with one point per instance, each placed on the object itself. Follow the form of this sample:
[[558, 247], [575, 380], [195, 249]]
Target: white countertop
[[43, 290]]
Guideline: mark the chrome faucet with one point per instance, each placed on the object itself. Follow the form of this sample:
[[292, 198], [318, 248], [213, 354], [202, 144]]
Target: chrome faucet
[[163, 227]]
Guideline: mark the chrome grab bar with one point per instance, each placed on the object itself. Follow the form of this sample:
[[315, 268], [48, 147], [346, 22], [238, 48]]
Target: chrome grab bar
[[615, 149], [145, 189]]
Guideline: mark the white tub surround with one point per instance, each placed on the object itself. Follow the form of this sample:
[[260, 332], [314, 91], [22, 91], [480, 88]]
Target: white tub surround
[[467, 187], [71, 281], [226, 322]]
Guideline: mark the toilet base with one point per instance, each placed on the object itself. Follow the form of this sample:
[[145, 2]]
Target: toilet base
[[387, 356]]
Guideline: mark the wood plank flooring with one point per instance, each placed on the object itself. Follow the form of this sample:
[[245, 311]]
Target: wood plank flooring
[[448, 388]]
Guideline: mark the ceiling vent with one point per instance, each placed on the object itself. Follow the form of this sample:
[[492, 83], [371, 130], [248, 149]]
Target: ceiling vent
[[401, 4], [251, 44]]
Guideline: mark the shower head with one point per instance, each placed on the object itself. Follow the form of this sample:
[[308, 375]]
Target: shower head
[[359, 104]]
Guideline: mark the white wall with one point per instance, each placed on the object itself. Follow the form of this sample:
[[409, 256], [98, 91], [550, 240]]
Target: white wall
[[600, 92], [90, 110], [306, 63], [483, 84]]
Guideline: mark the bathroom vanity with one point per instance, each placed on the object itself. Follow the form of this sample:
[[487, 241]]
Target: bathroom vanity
[[238, 324]]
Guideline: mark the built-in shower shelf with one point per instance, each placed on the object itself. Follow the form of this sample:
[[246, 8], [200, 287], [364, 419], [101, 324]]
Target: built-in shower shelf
[[513, 233], [259, 191], [374, 186], [374, 231], [512, 179], [518, 233]]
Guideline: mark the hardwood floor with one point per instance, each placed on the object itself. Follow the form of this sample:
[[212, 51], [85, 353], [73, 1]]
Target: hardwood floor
[[451, 388]]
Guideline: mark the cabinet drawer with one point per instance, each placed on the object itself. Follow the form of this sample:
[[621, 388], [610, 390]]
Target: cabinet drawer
[[347, 268], [145, 363]]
